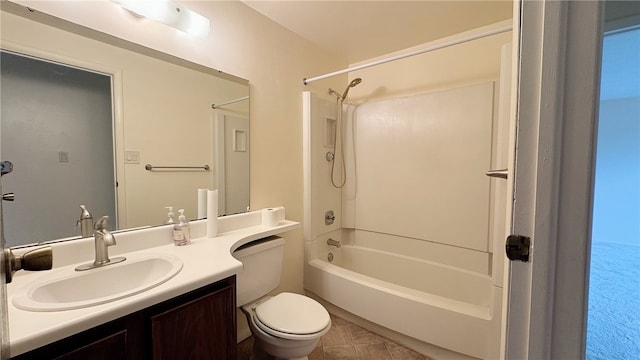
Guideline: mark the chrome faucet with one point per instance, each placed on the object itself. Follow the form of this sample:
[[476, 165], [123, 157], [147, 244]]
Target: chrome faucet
[[333, 242], [103, 239], [85, 222]]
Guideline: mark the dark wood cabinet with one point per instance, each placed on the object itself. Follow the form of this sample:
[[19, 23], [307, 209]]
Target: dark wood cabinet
[[198, 329], [197, 325], [110, 347]]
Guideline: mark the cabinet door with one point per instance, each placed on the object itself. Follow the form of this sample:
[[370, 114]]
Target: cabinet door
[[108, 348], [203, 328], [109, 341]]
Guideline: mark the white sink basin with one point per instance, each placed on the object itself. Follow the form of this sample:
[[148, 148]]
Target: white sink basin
[[67, 289]]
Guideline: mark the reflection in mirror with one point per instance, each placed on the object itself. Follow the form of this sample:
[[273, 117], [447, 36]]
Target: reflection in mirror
[[152, 111], [57, 131]]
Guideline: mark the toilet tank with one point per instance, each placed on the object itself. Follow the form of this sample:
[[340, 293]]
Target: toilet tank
[[262, 267]]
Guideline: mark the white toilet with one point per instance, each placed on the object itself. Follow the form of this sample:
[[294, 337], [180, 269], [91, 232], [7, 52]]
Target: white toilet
[[287, 325]]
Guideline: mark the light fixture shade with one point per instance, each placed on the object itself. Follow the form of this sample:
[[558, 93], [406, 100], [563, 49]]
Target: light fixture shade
[[170, 13], [192, 23]]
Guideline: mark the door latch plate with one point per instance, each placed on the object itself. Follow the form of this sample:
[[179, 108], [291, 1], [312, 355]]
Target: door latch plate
[[517, 247]]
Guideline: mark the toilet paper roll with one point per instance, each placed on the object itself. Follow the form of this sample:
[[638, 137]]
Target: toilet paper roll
[[212, 213], [272, 217], [202, 203], [269, 217]]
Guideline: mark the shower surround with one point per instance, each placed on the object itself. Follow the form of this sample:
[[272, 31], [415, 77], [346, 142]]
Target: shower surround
[[418, 219]]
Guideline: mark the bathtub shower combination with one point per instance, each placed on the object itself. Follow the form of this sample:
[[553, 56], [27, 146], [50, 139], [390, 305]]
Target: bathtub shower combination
[[443, 305], [407, 242]]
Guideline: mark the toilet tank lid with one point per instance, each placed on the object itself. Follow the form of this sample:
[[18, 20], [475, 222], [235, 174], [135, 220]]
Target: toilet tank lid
[[256, 246], [293, 314]]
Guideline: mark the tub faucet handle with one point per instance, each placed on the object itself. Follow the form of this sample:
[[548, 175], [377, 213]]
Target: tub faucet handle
[[329, 217], [332, 242]]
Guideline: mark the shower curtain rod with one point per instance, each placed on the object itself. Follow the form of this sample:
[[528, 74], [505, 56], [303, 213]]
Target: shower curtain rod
[[476, 36], [214, 106]]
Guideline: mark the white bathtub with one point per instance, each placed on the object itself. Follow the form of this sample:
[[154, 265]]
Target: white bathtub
[[452, 308]]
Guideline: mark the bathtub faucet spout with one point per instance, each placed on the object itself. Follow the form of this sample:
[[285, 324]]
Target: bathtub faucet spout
[[333, 242]]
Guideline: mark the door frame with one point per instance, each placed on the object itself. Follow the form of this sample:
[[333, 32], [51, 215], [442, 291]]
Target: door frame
[[557, 107], [4, 313]]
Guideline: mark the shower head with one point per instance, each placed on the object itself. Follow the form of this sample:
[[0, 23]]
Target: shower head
[[353, 83]]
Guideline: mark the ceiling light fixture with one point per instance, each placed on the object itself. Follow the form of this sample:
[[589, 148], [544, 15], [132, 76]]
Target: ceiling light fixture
[[170, 13]]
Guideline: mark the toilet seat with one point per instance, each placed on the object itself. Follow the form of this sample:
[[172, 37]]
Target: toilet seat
[[292, 316]]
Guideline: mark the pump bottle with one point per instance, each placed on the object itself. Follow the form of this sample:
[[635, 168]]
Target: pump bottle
[[181, 230], [170, 215]]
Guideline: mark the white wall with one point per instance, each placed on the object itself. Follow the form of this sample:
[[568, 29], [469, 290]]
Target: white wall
[[420, 166], [323, 196]]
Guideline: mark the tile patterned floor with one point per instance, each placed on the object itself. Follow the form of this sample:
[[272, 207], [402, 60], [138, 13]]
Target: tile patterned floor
[[346, 341]]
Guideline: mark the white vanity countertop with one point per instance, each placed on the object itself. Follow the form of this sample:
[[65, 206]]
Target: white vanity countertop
[[205, 260]]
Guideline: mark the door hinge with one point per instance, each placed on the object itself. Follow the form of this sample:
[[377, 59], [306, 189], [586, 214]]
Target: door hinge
[[517, 247]]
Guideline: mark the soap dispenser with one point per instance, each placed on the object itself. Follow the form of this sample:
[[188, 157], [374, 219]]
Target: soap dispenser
[[181, 230], [170, 215]]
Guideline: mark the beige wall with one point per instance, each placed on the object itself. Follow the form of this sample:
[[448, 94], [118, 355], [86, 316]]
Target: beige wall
[[246, 44], [468, 63]]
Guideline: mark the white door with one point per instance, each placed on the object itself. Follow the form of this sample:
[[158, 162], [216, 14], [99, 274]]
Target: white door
[[232, 162], [558, 79]]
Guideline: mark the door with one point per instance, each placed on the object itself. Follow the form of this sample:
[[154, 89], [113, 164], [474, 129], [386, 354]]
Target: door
[[232, 162], [557, 96], [68, 112]]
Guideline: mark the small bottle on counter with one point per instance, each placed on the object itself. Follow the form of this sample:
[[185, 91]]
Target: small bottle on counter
[[181, 230]]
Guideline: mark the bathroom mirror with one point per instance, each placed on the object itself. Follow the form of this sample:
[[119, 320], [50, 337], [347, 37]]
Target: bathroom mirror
[[188, 122]]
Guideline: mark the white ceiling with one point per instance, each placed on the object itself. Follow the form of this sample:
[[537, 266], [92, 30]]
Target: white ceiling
[[361, 30]]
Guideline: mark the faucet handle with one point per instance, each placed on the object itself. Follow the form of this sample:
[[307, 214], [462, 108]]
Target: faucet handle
[[102, 223]]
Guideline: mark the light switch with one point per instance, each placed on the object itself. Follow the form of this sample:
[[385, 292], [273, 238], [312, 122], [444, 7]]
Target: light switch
[[63, 156], [132, 157]]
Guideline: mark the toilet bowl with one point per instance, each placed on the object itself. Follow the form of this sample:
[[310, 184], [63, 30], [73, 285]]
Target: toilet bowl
[[287, 325]]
